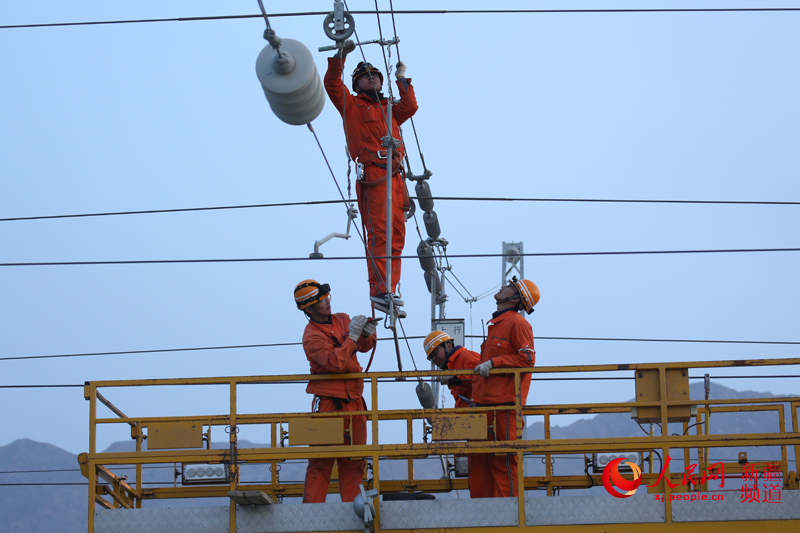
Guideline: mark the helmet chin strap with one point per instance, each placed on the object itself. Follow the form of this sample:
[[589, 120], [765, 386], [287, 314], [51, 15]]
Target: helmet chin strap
[[504, 300], [516, 294]]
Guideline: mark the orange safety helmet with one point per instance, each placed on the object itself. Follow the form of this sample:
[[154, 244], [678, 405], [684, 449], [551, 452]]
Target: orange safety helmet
[[434, 339], [308, 292], [528, 292], [364, 68]]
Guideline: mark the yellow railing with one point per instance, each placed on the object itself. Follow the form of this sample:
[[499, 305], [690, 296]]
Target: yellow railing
[[110, 490]]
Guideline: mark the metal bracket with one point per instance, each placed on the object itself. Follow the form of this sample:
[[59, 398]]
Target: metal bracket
[[390, 142], [340, 44], [419, 177], [352, 213]]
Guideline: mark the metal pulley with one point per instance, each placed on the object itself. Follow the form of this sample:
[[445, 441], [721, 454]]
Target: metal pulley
[[290, 81], [423, 191], [431, 224], [425, 253], [339, 24]]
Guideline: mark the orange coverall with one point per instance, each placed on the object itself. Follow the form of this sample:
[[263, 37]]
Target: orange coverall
[[459, 359], [330, 350], [495, 476], [365, 125]]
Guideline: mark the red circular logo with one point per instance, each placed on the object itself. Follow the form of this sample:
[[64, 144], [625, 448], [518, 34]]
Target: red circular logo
[[612, 478]]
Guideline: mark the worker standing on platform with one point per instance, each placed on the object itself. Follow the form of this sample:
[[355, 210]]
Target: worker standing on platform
[[331, 341], [509, 345], [442, 351], [365, 127]]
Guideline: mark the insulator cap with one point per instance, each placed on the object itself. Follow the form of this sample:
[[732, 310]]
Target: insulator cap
[[425, 253], [291, 82], [423, 191], [425, 394], [431, 224]]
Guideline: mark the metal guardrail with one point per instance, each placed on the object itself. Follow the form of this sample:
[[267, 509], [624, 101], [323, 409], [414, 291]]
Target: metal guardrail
[[662, 406]]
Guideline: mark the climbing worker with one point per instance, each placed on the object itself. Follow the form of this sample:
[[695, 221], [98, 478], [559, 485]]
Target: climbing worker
[[365, 128], [331, 341], [509, 345], [443, 352]]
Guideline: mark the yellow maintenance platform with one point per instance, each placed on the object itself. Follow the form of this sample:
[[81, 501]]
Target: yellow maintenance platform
[[693, 479]]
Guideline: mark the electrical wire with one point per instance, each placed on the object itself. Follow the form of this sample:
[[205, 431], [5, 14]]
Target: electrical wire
[[412, 337], [77, 470], [601, 339], [178, 210], [442, 198], [36, 387], [131, 352], [659, 340], [414, 12], [350, 258]]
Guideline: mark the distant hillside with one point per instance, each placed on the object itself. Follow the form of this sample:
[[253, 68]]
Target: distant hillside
[[62, 507], [621, 425], [34, 509]]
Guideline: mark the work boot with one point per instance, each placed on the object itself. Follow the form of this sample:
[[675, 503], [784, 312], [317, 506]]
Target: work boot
[[383, 298], [381, 306]]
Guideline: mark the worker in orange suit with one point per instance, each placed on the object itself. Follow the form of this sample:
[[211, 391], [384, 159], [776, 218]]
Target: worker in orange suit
[[331, 341], [365, 127], [443, 352], [509, 344]]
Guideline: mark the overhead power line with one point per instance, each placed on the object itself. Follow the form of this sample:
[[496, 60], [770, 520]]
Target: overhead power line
[[178, 210], [572, 378], [37, 386], [167, 350], [438, 198], [361, 258], [412, 12], [658, 340]]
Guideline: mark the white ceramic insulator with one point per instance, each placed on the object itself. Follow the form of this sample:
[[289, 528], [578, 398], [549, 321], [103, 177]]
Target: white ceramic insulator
[[293, 89]]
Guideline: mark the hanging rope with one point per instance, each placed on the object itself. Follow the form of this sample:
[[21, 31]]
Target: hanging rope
[[327, 163], [264, 12]]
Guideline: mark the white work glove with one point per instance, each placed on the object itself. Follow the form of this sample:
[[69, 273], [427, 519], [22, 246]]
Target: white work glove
[[483, 368], [357, 324], [369, 328], [444, 380], [348, 47], [401, 70]]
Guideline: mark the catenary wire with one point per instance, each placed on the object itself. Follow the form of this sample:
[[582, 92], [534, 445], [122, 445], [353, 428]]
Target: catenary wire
[[361, 258], [413, 12], [596, 339], [441, 198], [388, 380], [132, 352]]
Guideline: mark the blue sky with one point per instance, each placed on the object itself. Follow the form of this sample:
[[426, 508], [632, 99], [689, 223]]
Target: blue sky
[[164, 115]]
